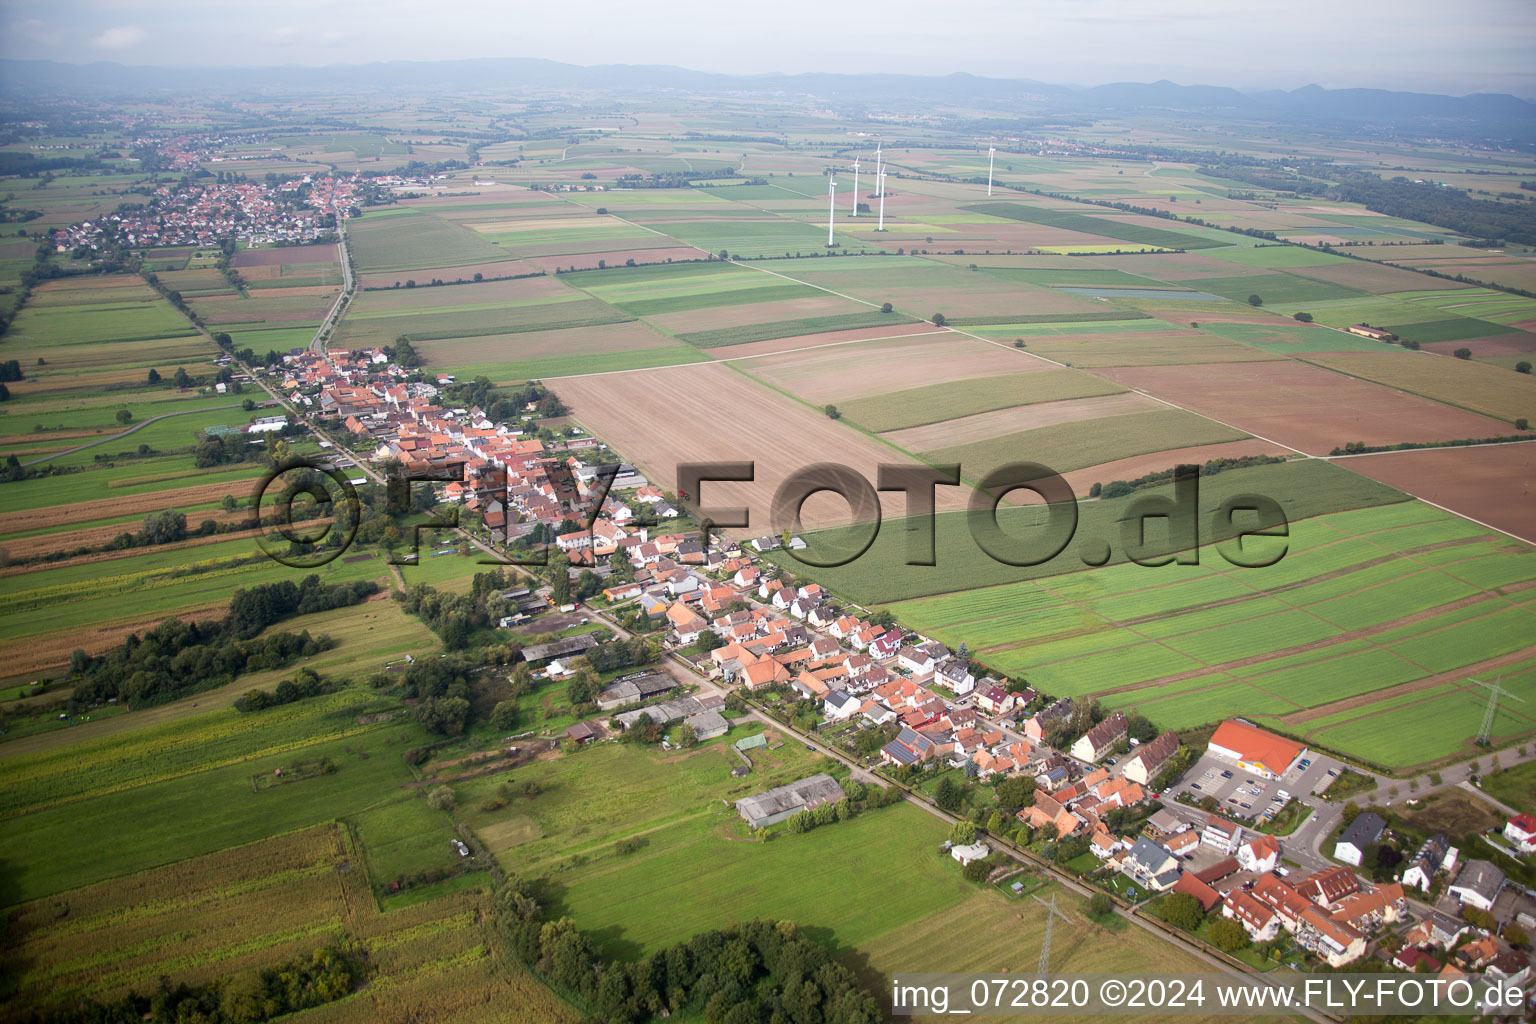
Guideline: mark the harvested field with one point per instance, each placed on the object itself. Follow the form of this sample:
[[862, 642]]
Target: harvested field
[[658, 252], [777, 345], [800, 327], [1377, 278], [1485, 389], [569, 341], [1521, 344], [1081, 480], [1139, 348], [559, 352], [634, 412], [1174, 266], [1491, 485], [459, 296], [286, 254], [1292, 403], [934, 403], [1068, 446], [981, 426], [390, 278], [750, 313], [876, 367]]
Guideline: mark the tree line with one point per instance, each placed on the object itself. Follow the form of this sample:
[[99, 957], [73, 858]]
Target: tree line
[[755, 972], [178, 657], [250, 997]]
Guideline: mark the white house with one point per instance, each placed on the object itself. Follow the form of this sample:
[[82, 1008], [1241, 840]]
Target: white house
[[1221, 835], [1259, 921], [1430, 859], [1357, 838], [1521, 831], [1478, 884], [965, 854], [955, 675], [838, 705], [1259, 854]]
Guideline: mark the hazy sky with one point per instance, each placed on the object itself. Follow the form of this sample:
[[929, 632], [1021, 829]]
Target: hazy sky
[[1426, 45]]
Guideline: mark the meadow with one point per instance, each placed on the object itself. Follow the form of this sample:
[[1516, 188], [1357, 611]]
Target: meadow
[[881, 576], [1365, 602], [247, 907], [1069, 446]]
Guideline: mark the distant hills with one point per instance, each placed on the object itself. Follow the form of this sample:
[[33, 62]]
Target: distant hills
[[1485, 115]]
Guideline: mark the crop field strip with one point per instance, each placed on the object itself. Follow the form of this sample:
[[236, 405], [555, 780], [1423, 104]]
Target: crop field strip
[[275, 899], [1323, 615]]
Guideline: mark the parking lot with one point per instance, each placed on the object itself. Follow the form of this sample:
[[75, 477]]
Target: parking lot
[[1241, 794]]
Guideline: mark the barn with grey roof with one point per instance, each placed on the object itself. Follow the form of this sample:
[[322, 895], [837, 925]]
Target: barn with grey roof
[[774, 805]]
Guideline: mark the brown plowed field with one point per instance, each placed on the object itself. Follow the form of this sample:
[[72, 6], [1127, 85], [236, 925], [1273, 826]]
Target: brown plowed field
[[1494, 485], [706, 412], [1304, 406]]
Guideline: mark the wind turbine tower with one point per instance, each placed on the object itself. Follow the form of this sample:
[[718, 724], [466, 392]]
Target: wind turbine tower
[[991, 156], [832, 207], [855, 187], [880, 187]]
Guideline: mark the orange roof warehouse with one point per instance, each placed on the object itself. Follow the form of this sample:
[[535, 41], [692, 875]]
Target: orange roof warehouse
[[1254, 750]]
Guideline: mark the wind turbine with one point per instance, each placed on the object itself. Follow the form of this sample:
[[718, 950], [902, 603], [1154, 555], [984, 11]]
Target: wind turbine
[[991, 155], [832, 206], [880, 183], [855, 187]]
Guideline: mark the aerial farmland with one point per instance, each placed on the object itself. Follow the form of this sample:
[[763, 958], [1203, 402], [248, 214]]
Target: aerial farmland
[[439, 519]]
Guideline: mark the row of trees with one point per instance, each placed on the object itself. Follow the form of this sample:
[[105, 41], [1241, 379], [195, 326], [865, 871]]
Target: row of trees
[[177, 657], [250, 997], [755, 972], [1120, 488], [306, 683]]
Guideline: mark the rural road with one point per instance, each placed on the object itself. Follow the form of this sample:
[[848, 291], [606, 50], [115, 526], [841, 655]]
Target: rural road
[[117, 437], [317, 343]]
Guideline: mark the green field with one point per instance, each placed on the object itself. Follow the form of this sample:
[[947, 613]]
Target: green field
[[1318, 627], [403, 239], [1303, 488], [792, 328], [934, 403], [1068, 446], [1097, 225], [194, 783], [883, 864]]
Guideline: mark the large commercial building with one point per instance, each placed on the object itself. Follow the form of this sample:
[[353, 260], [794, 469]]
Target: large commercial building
[[1254, 750]]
